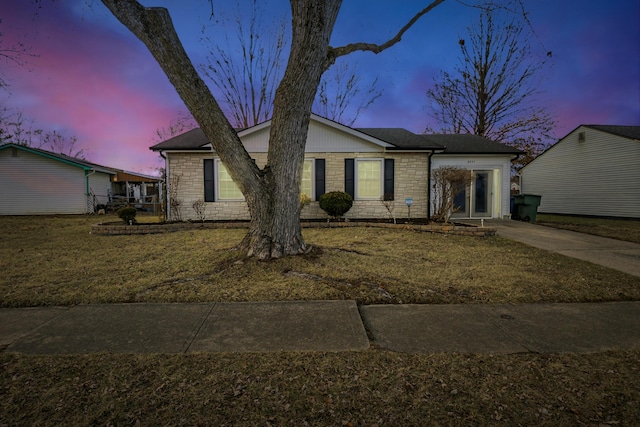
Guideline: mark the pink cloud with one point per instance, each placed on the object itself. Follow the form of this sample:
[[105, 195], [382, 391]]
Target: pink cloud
[[101, 85]]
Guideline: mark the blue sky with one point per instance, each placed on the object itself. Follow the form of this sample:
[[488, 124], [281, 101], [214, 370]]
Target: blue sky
[[93, 79]]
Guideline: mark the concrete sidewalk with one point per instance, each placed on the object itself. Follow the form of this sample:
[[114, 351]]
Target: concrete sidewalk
[[612, 253], [320, 326]]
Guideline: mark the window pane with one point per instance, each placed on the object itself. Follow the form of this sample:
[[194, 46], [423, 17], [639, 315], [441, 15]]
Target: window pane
[[369, 179], [306, 186], [228, 190]]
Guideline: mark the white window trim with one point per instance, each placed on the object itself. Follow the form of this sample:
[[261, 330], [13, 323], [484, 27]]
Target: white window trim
[[217, 184], [312, 196], [355, 177]]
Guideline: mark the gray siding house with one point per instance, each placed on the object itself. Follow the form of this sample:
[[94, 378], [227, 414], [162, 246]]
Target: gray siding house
[[593, 171], [366, 163], [36, 182], [39, 182]]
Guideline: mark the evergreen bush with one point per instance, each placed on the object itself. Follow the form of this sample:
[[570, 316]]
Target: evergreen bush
[[128, 214], [336, 203]]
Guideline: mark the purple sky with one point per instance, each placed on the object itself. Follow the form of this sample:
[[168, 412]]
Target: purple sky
[[93, 79]]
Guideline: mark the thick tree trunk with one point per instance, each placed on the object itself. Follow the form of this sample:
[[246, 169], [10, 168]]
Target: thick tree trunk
[[275, 225]]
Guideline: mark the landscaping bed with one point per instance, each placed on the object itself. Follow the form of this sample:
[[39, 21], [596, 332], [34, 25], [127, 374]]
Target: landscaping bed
[[119, 228]]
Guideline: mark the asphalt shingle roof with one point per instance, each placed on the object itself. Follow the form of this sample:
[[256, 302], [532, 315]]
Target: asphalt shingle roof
[[631, 132], [470, 144], [400, 138], [193, 139]]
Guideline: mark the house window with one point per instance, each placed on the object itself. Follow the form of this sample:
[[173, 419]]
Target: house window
[[368, 179], [306, 186], [227, 189]]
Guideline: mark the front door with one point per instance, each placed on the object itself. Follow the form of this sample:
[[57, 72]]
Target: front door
[[476, 200], [481, 199]]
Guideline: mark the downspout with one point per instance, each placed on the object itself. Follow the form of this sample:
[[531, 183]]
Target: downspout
[[87, 174], [167, 214], [429, 185]]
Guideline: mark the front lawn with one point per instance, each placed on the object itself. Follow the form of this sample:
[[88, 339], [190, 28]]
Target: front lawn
[[56, 261]]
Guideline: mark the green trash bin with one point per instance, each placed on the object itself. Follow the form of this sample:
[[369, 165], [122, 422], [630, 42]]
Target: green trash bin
[[526, 205]]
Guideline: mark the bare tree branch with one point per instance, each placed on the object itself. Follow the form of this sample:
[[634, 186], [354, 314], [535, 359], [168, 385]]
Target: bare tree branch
[[336, 52]]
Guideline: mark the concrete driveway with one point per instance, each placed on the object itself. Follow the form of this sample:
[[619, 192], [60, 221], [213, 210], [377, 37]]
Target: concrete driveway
[[616, 254]]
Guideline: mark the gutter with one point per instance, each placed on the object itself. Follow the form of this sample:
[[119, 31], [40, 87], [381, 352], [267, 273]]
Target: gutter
[[167, 214], [429, 185]]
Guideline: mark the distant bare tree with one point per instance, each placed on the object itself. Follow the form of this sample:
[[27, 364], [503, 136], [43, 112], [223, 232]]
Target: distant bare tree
[[493, 91], [248, 83], [181, 124], [11, 54], [59, 143], [342, 96], [17, 129]]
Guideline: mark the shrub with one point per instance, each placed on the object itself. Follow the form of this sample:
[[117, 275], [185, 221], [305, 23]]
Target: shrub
[[447, 183], [128, 214], [336, 203], [199, 207]]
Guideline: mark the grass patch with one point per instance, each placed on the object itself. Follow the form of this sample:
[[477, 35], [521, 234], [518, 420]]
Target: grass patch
[[621, 229], [344, 389], [56, 261]]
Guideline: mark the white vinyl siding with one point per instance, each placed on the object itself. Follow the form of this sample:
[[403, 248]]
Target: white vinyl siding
[[323, 137], [31, 184], [100, 186], [599, 177]]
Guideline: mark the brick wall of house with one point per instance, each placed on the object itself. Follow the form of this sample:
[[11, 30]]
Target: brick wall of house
[[411, 178]]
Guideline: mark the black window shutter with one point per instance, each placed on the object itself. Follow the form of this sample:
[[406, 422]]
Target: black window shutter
[[209, 183], [388, 179], [320, 178], [349, 174]]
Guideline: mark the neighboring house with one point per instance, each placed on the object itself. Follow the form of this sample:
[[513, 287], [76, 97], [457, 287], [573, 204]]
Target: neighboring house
[[141, 191], [37, 182], [366, 163], [593, 171]]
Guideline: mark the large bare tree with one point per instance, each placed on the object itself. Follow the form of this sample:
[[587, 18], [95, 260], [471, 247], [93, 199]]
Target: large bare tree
[[493, 91], [272, 193]]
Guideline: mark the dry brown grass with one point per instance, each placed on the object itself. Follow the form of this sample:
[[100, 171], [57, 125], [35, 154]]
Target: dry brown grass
[[344, 389], [621, 229], [55, 261]]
